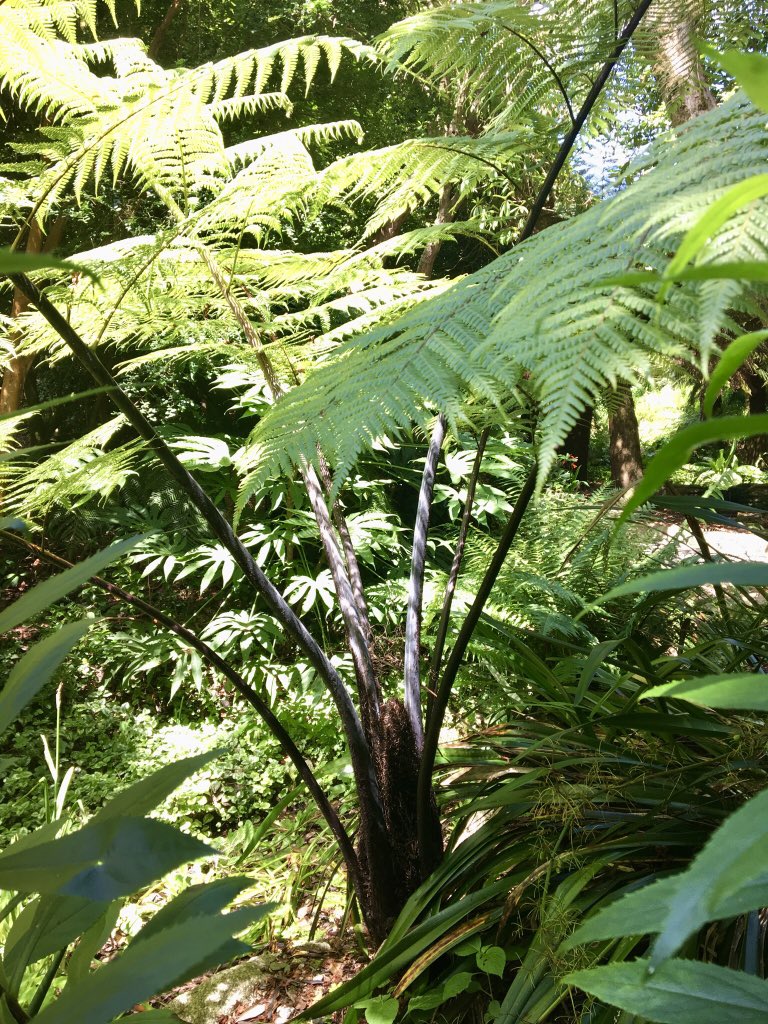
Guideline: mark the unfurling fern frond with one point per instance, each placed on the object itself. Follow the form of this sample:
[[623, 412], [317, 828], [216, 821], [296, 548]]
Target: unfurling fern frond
[[543, 311]]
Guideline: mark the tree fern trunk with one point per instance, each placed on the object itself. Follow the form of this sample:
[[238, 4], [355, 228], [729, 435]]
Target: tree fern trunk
[[19, 368], [626, 453]]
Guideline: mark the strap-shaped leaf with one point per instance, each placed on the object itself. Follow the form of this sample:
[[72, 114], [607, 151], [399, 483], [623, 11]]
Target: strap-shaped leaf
[[740, 574], [102, 861], [25, 263], [32, 672], [747, 691], [148, 967], [676, 452], [735, 355]]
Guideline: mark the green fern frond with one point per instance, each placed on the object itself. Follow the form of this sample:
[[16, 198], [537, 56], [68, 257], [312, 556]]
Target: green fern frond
[[539, 311]]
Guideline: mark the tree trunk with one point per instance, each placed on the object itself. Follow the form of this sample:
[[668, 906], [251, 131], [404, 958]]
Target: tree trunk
[[626, 453], [755, 448], [679, 70], [577, 443], [19, 368]]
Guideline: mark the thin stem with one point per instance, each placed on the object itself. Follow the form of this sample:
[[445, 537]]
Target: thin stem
[[547, 64], [245, 690], [45, 984], [411, 668], [580, 119], [453, 576], [16, 1010], [432, 734], [359, 751]]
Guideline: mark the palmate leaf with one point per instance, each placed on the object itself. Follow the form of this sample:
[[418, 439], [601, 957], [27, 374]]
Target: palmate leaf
[[539, 312]]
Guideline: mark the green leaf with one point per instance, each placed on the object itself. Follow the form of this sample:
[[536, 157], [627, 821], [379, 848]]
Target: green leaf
[[492, 960], [634, 913], [734, 356], [148, 967], [749, 69], [740, 574], [748, 692], [679, 992], [677, 452], [55, 922], [382, 1010], [744, 270], [30, 674], [52, 590], [713, 219], [24, 263], [90, 943], [144, 795], [456, 984], [730, 875], [195, 901], [102, 861]]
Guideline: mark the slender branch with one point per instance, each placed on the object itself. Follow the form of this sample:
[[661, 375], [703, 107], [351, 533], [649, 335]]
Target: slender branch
[[547, 64], [411, 668], [435, 722], [357, 640], [453, 576], [428, 854], [45, 984], [586, 109], [359, 751], [245, 690]]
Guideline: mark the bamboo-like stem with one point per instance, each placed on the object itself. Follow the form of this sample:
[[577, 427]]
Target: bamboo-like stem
[[360, 754], [246, 691], [453, 576], [411, 667]]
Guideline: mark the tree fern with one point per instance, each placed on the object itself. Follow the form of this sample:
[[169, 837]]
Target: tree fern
[[541, 311]]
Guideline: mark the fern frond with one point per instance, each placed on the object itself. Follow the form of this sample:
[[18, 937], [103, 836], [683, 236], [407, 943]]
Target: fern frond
[[539, 311]]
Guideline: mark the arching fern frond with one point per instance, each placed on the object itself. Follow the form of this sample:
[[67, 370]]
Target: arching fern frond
[[542, 312]]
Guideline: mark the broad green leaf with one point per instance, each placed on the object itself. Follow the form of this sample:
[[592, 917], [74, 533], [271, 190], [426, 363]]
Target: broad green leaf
[[740, 574], [30, 674], [145, 968], [382, 1010], [748, 692], [13, 524], [492, 960], [52, 590], [194, 901], [102, 861], [678, 992], [24, 263], [749, 69], [677, 452], [734, 356], [730, 875], [79, 965], [634, 913], [456, 984], [715, 217], [144, 795], [57, 922]]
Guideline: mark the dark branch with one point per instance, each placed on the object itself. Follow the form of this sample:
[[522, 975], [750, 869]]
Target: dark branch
[[453, 576], [245, 690], [411, 669], [359, 751]]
